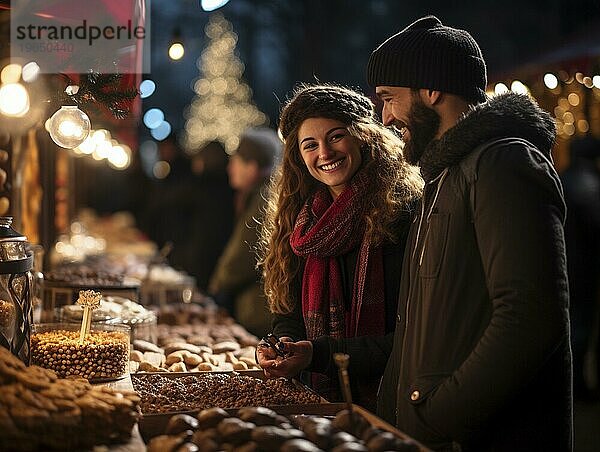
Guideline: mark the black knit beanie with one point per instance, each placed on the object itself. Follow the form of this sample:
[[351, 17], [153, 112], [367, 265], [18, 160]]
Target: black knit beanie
[[427, 54], [324, 101]]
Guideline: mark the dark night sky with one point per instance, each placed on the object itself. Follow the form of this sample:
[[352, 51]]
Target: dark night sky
[[282, 42]]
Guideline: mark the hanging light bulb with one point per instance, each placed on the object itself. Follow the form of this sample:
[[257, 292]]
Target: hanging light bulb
[[176, 49], [69, 126]]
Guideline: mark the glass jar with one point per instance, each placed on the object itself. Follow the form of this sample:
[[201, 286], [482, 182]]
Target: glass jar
[[16, 261], [103, 355]]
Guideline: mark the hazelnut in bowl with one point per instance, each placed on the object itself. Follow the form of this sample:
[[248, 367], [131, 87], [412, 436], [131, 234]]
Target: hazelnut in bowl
[[102, 355]]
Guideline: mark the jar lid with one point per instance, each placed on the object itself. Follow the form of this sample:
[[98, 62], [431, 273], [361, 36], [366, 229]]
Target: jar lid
[[7, 232]]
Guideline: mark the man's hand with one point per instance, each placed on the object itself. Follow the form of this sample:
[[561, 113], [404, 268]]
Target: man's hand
[[298, 358]]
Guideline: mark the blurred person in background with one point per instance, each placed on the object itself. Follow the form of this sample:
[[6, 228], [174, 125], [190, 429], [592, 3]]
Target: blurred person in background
[[210, 211], [236, 282], [581, 181], [339, 212]]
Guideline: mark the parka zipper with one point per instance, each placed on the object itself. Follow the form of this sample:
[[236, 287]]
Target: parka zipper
[[440, 182], [442, 176]]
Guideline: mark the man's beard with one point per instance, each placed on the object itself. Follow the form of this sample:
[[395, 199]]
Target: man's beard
[[423, 123]]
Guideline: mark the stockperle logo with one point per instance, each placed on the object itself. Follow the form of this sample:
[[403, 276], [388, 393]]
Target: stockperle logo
[[109, 36]]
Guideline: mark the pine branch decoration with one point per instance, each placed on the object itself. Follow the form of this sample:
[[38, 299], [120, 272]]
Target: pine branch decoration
[[104, 89]]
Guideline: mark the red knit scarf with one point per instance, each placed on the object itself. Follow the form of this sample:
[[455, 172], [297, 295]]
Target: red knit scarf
[[324, 230]]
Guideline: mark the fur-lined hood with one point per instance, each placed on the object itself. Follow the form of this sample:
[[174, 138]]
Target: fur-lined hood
[[502, 116]]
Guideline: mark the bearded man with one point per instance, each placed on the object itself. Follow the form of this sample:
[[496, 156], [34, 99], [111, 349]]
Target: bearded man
[[481, 357]]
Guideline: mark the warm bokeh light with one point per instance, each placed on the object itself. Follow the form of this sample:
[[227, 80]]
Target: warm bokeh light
[[161, 169], [596, 81], [100, 135], [103, 149], [120, 156], [500, 88], [176, 51], [583, 125], [14, 100], [573, 99], [88, 146], [569, 129], [30, 72], [519, 87], [550, 80], [564, 103], [11, 73], [100, 146], [568, 118]]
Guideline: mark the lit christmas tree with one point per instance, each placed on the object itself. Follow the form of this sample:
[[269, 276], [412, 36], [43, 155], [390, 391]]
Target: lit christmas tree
[[222, 108]]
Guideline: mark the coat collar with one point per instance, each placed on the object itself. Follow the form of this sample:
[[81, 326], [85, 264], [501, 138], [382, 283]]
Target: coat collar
[[504, 115]]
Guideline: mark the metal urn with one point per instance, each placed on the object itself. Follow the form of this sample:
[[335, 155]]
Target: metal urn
[[16, 317]]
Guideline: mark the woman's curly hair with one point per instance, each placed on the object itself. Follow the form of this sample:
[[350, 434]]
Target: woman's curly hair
[[394, 185]]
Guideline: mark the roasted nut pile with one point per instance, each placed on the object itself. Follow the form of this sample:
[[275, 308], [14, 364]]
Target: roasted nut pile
[[262, 429], [39, 411], [103, 354], [161, 394], [7, 313]]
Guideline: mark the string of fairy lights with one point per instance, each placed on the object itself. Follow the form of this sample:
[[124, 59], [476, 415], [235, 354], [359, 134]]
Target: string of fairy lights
[[573, 99]]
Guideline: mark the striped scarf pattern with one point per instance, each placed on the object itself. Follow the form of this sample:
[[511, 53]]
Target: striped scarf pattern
[[326, 229]]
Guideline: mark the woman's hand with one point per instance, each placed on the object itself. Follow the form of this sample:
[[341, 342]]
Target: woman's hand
[[298, 357]]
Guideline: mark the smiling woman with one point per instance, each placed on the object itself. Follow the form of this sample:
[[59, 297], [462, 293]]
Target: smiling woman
[[334, 233]]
